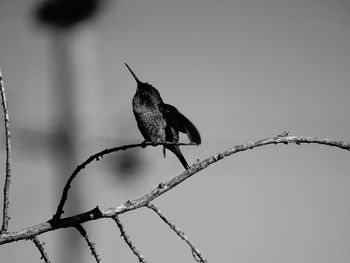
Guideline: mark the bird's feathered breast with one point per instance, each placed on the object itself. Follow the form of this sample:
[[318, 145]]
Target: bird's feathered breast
[[147, 96]]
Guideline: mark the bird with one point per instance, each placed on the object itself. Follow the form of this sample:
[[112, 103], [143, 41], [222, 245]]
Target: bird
[[161, 122]]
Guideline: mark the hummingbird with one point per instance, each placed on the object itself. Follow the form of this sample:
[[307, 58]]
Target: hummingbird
[[160, 122]]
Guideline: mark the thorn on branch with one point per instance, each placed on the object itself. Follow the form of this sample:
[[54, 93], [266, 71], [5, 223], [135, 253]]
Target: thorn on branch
[[89, 242], [196, 258], [195, 252], [128, 240], [40, 247], [283, 134]]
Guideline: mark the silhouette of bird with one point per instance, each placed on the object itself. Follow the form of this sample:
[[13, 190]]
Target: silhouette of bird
[[160, 122]]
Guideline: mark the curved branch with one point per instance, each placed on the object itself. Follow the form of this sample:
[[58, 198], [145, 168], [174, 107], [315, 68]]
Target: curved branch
[[195, 168], [96, 157], [144, 200], [5, 215]]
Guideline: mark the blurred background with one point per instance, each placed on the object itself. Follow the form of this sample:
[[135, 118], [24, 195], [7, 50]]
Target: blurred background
[[240, 70]]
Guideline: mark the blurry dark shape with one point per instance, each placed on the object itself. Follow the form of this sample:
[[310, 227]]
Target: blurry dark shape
[[41, 140], [62, 142], [62, 14], [127, 165], [73, 74]]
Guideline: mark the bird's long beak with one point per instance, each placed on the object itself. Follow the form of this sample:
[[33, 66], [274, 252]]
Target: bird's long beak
[[133, 74]]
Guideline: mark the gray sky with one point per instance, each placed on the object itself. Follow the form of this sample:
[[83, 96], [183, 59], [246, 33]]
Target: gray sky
[[240, 70]]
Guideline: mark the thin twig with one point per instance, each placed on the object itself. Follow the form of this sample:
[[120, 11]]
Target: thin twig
[[40, 247], [89, 242], [162, 188], [128, 241], [96, 157], [195, 252], [5, 214]]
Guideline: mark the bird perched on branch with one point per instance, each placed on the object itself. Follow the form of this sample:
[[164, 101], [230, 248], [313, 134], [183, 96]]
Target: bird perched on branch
[[160, 122]]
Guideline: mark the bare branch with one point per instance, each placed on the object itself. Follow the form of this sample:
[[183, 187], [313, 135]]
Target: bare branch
[[89, 242], [96, 157], [47, 226], [162, 188], [40, 247], [128, 241], [5, 214], [195, 252]]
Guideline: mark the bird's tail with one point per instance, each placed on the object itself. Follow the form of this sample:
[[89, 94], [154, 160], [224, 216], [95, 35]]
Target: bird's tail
[[176, 150]]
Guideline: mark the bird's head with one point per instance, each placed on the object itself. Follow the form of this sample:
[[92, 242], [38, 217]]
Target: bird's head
[[145, 90]]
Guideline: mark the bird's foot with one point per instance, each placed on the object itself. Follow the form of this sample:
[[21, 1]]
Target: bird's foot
[[156, 142], [144, 144]]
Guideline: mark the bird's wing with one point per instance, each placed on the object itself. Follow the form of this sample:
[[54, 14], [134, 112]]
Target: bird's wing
[[179, 122]]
